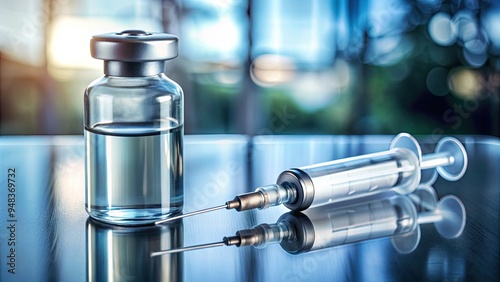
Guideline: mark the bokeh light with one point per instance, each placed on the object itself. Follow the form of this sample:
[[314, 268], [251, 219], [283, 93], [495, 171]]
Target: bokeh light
[[214, 35], [437, 81], [464, 83], [442, 30], [270, 70], [491, 22], [342, 66]]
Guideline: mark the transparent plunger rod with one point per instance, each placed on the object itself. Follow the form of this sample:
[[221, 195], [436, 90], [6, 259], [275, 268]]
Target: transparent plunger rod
[[326, 227], [435, 160], [397, 169], [448, 217]]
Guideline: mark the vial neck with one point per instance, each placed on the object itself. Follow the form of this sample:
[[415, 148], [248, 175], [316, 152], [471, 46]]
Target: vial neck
[[133, 69]]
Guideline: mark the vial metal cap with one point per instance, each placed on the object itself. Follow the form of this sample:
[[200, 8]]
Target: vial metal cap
[[133, 52]]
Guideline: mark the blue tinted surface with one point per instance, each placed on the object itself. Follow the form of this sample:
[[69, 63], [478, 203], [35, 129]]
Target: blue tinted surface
[[56, 242]]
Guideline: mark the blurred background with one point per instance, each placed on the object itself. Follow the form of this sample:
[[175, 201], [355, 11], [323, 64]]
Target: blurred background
[[268, 66]]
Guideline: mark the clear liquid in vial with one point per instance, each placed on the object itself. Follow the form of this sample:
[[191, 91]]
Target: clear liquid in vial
[[134, 176]]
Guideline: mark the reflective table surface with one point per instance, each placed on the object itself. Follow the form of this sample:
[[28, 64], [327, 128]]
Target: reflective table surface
[[46, 234]]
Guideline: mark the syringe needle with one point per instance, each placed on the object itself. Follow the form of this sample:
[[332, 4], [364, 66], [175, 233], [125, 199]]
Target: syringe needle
[[258, 236], [197, 247], [225, 206], [241, 202]]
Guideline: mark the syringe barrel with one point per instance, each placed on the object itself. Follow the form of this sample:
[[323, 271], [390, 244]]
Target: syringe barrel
[[339, 180], [327, 226]]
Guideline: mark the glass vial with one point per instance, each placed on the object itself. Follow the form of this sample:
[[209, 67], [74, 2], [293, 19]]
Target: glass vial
[[133, 121]]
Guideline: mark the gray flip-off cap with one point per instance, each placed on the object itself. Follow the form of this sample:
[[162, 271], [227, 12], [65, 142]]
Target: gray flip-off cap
[[133, 52]]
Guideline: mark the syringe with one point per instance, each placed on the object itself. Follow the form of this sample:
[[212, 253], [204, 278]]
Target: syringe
[[329, 226], [397, 169]]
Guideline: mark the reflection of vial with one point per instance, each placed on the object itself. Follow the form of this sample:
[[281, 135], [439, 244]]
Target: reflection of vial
[[121, 253], [133, 130]]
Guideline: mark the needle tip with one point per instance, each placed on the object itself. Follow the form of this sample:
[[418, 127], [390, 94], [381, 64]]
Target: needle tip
[[160, 253], [184, 249], [166, 220], [190, 214]]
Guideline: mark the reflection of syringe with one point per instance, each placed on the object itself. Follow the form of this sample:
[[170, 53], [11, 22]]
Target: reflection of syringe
[[397, 169], [327, 226]]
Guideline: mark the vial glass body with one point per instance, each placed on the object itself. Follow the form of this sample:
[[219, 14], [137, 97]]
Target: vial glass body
[[134, 149]]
